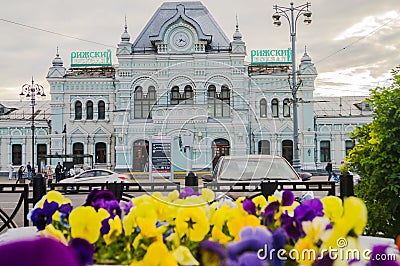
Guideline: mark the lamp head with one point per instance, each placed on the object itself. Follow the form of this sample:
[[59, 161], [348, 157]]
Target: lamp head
[[277, 23], [307, 21]]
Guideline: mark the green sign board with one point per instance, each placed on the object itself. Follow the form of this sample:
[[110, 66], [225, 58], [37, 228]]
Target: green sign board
[[84, 59], [271, 57]]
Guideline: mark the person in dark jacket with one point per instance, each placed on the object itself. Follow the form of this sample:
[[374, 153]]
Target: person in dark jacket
[[58, 172], [20, 174], [329, 169]]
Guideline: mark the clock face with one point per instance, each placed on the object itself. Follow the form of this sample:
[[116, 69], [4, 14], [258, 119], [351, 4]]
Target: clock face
[[181, 39]]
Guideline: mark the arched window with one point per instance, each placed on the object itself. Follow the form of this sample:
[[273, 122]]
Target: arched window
[[78, 110], [286, 108], [89, 110], [151, 99], [219, 103], [211, 98], [100, 152], [225, 98], [77, 149], [144, 103], [263, 108], [188, 94], [101, 109], [264, 147], [175, 95], [275, 107]]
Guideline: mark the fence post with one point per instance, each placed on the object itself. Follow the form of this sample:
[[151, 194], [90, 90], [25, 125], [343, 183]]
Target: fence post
[[116, 188], [39, 187], [268, 188], [346, 185], [191, 180]]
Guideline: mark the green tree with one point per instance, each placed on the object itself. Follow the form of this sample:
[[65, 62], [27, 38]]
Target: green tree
[[377, 159]]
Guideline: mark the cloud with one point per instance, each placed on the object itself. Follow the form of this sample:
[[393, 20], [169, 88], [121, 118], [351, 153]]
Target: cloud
[[371, 24]]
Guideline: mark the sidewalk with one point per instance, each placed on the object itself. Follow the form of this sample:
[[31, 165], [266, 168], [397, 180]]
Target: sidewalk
[[4, 180]]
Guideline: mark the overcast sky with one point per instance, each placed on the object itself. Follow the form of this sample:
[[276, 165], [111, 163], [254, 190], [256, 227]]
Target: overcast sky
[[352, 42]]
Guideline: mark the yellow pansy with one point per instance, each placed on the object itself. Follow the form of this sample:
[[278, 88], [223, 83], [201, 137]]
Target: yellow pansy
[[218, 235], [86, 222], [51, 231], [333, 208], [115, 230], [129, 222], [207, 195], [260, 203], [353, 221], [157, 255], [173, 195], [316, 229], [305, 252], [236, 224], [184, 257], [55, 196], [192, 223]]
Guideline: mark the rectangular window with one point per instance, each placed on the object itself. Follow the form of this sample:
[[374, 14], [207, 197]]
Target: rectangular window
[[325, 151], [17, 154], [349, 145]]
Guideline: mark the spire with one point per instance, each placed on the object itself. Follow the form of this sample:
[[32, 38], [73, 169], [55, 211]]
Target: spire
[[125, 37], [57, 61], [237, 36], [306, 58]]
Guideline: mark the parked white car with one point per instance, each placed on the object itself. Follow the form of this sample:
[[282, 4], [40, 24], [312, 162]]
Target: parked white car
[[253, 168], [97, 176]]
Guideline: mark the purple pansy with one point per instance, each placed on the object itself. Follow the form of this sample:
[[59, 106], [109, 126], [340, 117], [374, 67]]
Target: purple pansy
[[127, 206], [212, 252], [104, 199], [252, 240], [268, 215], [83, 249], [278, 243], [105, 226], [378, 257], [41, 217], [307, 211], [249, 206], [287, 198], [187, 192]]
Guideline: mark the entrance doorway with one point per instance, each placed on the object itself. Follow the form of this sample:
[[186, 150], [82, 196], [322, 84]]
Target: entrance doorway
[[220, 147], [141, 156], [287, 150]]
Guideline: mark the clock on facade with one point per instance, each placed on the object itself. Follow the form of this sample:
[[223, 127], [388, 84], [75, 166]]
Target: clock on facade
[[181, 39]]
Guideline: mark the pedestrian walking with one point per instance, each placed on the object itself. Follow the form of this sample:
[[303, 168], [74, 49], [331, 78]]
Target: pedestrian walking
[[20, 174], [329, 169], [58, 172], [29, 170], [11, 171], [50, 174]]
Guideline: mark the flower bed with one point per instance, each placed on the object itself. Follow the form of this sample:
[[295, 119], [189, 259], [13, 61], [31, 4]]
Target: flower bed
[[190, 228]]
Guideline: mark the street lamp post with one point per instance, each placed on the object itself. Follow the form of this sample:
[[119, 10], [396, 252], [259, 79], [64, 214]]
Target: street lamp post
[[289, 14], [31, 90]]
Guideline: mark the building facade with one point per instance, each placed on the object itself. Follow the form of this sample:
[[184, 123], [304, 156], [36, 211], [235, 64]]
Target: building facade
[[184, 78]]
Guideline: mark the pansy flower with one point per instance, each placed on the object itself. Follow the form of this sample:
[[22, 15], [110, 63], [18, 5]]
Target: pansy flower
[[41, 217]]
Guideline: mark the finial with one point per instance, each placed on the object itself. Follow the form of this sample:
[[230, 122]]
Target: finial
[[57, 54], [305, 49], [126, 25], [237, 23]]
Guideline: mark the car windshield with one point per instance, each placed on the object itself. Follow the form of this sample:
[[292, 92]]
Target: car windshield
[[256, 169]]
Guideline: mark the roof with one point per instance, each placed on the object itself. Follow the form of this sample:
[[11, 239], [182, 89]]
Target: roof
[[22, 110], [194, 12], [341, 106]]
